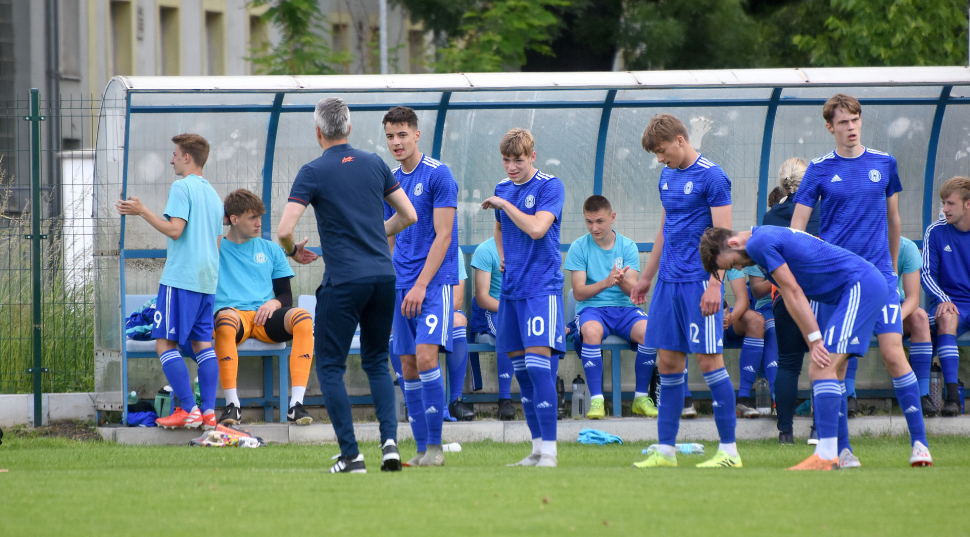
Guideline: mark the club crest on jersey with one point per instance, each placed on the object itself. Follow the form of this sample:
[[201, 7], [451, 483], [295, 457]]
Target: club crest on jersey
[[874, 176], [418, 189], [688, 187], [260, 257], [530, 201]]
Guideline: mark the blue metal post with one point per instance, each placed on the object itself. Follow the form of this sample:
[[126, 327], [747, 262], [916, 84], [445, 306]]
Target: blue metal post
[[439, 125], [121, 267], [271, 128], [601, 143], [929, 174], [763, 170]]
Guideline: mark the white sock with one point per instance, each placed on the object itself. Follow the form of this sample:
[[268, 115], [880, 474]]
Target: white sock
[[232, 397], [549, 448], [536, 446], [595, 397], [639, 394], [731, 449], [827, 448], [296, 395], [669, 451], [194, 408]]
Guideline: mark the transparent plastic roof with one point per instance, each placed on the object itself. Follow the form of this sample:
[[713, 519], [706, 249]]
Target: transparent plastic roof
[[587, 126]]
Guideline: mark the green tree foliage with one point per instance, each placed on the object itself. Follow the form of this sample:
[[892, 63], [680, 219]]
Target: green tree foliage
[[303, 49], [888, 32], [688, 34]]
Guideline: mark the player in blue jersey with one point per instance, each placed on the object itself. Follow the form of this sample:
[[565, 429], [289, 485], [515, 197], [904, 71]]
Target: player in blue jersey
[[254, 299], [186, 292], [946, 279], [742, 322], [425, 259], [686, 304], [805, 268], [484, 320], [859, 188], [528, 214], [605, 266]]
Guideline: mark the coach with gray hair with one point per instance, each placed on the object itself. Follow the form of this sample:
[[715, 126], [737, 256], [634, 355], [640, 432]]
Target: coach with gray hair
[[347, 188]]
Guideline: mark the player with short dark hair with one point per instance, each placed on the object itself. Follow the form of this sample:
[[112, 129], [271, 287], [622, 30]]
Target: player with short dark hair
[[946, 279], [426, 262], [685, 310], [604, 267], [528, 213], [859, 187], [186, 291], [254, 299]]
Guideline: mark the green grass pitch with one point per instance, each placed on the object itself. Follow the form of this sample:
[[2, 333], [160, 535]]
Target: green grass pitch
[[55, 486]]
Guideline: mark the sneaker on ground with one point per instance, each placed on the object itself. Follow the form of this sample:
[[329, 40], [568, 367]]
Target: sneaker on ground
[[349, 465], [597, 409], [921, 456], [721, 460], [813, 437], [415, 460], [929, 409], [816, 463], [181, 419], [689, 412], [434, 456], [786, 437], [644, 406], [847, 459], [531, 460], [460, 411], [506, 412], [852, 407], [299, 415], [745, 408], [231, 415], [390, 456], [547, 461], [657, 460], [209, 420]]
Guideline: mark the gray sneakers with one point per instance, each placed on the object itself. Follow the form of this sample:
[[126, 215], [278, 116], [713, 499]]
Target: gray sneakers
[[848, 460], [434, 456]]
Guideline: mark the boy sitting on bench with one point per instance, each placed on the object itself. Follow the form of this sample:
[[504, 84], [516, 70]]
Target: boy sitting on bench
[[253, 299]]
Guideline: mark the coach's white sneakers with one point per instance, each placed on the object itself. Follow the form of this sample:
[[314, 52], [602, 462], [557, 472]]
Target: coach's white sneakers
[[847, 459], [921, 455]]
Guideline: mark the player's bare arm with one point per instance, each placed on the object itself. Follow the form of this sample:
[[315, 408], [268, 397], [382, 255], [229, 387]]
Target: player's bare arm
[[895, 227], [498, 246], [801, 312], [638, 294], [444, 220], [741, 302], [628, 280], [133, 207], [760, 287], [284, 233], [911, 288], [404, 213], [266, 311], [583, 291], [799, 219], [485, 301], [711, 299], [534, 225]]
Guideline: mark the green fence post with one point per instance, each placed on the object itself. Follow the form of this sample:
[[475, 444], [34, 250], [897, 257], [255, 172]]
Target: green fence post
[[35, 237]]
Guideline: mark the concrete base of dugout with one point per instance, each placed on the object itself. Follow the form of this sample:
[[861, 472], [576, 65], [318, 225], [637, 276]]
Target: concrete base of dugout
[[629, 429]]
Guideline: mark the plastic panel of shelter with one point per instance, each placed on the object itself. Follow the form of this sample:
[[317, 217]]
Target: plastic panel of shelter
[[565, 146], [953, 150], [183, 98], [296, 145], [237, 144], [900, 130], [527, 96]]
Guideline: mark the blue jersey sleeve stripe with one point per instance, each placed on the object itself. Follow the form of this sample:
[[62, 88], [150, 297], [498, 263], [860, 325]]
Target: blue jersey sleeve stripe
[[926, 273]]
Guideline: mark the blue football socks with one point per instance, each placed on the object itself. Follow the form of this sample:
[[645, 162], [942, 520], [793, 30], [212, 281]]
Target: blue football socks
[[505, 374], [414, 400], [949, 357], [828, 399], [686, 390], [208, 378], [526, 391], [593, 366], [769, 361], [177, 375], [457, 361], [643, 369], [843, 442], [907, 393], [752, 351], [396, 364], [432, 390], [722, 394], [545, 398], [671, 405], [850, 372], [921, 357]]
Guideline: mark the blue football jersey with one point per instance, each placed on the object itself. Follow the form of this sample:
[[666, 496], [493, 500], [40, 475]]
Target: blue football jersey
[[945, 274], [687, 196], [429, 185], [822, 270], [854, 193], [531, 266]]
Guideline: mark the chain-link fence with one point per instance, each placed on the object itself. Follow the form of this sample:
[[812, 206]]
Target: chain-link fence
[[66, 277]]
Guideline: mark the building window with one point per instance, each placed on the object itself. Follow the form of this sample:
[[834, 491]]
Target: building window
[[168, 42], [215, 44], [121, 39], [258, 38]]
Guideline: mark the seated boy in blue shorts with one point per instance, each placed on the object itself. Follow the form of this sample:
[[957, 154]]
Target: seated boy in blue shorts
[[253, 299], [946, 279], [744, 323], [488, 289], [186, 292], [605, 266]]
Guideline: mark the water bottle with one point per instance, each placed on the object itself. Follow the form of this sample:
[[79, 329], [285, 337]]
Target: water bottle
[[936, 385], [580, 398], [163, 402], [762, 396], [132, 397], [686, 449], [560, 398]]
